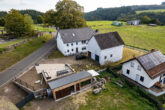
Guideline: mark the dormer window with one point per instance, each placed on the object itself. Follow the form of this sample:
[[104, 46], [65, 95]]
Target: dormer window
[[132, 64], [139, 68], [72, 44], [67, 44], [83, 42]]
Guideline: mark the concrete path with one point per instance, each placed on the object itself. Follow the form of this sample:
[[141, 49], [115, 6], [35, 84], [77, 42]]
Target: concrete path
[[17, 69]]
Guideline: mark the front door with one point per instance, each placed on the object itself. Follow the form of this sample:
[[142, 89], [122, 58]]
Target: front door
[[76, 50], [89, 54], [97, 58], [137, 78], [77, 87]]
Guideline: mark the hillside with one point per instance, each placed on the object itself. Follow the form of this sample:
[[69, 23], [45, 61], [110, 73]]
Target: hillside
[[115, 13], [143, 36], [150, 11]]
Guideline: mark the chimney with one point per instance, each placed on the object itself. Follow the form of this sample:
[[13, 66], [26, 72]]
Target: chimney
[[97, 31], [153, 50]]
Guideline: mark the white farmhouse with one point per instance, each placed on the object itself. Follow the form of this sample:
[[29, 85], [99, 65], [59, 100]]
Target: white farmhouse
[[72, 41], [107, 47], [147, 70], [134, 22]]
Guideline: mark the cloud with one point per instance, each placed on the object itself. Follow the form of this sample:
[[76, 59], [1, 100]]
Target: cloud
[[15, 2]]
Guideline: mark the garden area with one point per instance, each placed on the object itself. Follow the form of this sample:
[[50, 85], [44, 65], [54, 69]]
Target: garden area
[[143, 36], [115, 97]]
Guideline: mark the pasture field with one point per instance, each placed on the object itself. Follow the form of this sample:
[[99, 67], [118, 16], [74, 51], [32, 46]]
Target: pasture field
[[154, 11], [143, 36], [41, 28]]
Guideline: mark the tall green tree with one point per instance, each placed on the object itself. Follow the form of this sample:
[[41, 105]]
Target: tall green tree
[[69, 15], [146, 19], [17, 24], [29, 19], [50, 17], [2, 22], [39, 19]]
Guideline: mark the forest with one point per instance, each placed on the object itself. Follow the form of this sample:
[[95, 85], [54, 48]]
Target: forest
[[127, 13], [32, 13]]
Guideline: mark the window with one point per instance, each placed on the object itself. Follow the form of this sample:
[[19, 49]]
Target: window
[[132, 64], [72, 50], [141, 78], [105, 57], [111, 55], [67, 50], [85, 83], [83, 42], [84, 48], [72, 44], [139, 68], [67, 44], [76, 43], [128, 71]]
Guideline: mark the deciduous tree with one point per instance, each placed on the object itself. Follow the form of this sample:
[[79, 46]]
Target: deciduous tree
[[16, 24]]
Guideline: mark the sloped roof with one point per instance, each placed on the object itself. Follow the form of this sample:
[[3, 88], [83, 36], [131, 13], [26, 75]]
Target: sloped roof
[[75, 35], [153, 63], [68, 79], [108, 40]]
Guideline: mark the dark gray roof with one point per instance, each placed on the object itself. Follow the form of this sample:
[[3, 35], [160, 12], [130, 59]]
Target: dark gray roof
[[151, 60], [68, 79], [75, 35], [108, 40]]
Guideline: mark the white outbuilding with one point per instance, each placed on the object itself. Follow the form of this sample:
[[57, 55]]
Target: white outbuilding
[[147, 70], [107, 47], [72, 41]]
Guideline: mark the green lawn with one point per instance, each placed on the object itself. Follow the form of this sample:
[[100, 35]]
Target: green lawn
[[41, 28], [10, 58], [116, 98], [10, 43], [154, 11], [143, 36]]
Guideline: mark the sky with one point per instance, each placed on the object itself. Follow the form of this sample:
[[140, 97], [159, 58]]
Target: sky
[[89, 5]]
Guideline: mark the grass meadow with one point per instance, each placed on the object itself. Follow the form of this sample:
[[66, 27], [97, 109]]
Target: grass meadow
[[142, 36], [116, 98], [10, 43], [154, 11], [41, 28]]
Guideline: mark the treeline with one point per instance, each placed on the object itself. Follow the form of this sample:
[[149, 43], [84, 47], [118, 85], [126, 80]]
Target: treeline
[[108, 13], [128, 13], [33, 13]]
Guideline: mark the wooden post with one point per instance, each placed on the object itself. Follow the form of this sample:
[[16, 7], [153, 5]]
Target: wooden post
[[75, 88], [54, 94]]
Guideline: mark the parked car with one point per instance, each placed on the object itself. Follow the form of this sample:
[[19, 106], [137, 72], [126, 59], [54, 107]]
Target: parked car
[[80, 57]]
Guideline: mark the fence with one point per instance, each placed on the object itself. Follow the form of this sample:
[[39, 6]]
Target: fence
[[25, 101]]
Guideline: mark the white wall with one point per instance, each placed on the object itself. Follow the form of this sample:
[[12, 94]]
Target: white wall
[[148, 82], [64, 48], [116, 52], [93, 48], [60, 44]]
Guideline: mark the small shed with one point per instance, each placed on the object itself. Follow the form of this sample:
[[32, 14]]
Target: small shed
[[117, 23], [134, 22]]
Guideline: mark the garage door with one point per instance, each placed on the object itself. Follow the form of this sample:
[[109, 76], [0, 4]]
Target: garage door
[[63, 92]]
